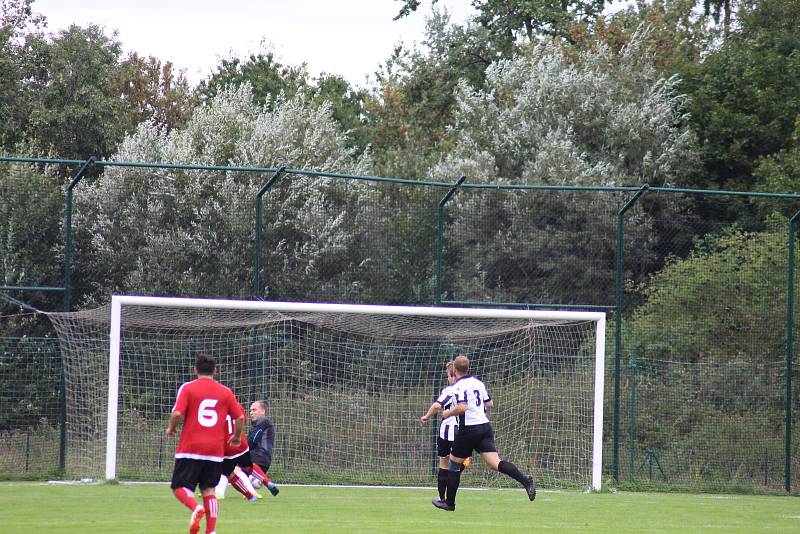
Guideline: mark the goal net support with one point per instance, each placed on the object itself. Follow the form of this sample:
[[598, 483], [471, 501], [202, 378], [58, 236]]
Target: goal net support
[[346, 385]]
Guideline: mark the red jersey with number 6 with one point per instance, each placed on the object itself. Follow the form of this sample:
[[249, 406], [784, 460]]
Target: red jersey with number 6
[[207, 406]]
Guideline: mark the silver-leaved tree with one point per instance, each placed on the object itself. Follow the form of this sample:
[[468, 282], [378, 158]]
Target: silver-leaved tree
[[181, 231]]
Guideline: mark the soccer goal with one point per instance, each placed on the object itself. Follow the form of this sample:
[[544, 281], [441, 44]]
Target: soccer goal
[[346, 385]]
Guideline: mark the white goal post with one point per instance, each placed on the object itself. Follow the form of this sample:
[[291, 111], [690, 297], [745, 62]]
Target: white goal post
[[401, 314]]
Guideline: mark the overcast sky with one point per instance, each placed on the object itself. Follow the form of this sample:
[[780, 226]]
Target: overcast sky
[[347, 37]]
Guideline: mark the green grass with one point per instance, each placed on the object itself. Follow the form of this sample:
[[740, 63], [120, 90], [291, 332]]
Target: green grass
[[29, 507]]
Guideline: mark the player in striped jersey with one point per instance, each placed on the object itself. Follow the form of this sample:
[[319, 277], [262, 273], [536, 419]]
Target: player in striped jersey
[[203, 406], [474, 434], [447, 429]]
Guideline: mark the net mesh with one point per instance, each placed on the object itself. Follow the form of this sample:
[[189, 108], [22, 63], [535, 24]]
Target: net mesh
[[345, 390]]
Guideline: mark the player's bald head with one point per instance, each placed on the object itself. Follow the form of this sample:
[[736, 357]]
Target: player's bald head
[[461, 365]]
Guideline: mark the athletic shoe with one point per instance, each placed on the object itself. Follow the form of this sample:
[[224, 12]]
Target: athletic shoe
[[438, 503], [194, 522], [466, 463], [273, 490], [258, 495], [530, 488], [251, 499]]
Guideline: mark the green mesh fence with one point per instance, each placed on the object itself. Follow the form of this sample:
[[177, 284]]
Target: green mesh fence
[[702, 286], [29, 407], [704, 426]]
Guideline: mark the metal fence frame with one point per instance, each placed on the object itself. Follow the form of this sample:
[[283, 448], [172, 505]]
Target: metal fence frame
[[452, 189]]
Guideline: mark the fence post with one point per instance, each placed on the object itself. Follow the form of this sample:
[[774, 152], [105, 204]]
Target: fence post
[[618, 324], [68, 246], [440, 237], [632, 421], [789, 345], [257, 244], [62, 446]]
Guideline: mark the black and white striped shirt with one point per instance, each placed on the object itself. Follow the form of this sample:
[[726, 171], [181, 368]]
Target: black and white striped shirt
[[447, 398]]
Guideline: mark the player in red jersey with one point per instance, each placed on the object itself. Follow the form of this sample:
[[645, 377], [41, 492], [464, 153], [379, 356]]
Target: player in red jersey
[[238, 455], [204, 406]]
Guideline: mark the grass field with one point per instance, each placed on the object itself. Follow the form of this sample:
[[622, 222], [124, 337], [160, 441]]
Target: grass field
[[30, 507]]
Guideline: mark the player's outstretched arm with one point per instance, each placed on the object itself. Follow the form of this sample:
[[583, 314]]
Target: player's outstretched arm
[[435, 407], [175, 419]]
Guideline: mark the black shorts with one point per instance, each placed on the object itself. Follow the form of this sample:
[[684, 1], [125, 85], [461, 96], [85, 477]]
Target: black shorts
[[473, 438], [443, 447], [189, 473], [229, 464]]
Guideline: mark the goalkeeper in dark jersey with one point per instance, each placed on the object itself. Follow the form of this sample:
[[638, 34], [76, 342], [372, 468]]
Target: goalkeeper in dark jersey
[[262, 440]]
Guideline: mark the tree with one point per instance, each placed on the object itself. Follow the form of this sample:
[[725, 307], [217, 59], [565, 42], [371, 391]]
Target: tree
[[154, 92], [716, 327], [677, 36], [600, 119], [746, 94], [547, 118], [270, 79], [77, 111], [413, 100], [267, 77], [152, 231], [20, 32], [511, 21], [347, 106]]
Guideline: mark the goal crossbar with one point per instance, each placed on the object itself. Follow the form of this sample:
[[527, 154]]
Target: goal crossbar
[[120, 301]]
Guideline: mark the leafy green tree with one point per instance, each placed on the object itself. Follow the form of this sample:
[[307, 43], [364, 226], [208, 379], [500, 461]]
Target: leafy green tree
[[678, 37], [746, 94], [347, 106], [77, 111], [780, 172], [20, 32], [413, 100], [270, 79], [513, 20], [267, 77], [691, 301], [599, 119]]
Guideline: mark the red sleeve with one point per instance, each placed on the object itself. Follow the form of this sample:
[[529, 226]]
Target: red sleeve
[[182, 400], [236, 408]]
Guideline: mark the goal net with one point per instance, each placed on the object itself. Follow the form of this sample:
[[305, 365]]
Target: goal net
[[345, 384]]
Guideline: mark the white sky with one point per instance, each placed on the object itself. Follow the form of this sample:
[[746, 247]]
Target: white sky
[[347, 37]]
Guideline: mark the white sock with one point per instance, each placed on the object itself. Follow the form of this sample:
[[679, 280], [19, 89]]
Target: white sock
[[246, 481], [221, 486]]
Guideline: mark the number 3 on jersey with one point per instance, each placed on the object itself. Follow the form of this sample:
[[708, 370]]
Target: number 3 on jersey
[[206, 414]]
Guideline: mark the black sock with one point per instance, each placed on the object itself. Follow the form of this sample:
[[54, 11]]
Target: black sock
[[453, 480], [507, 468], [441, 479]]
